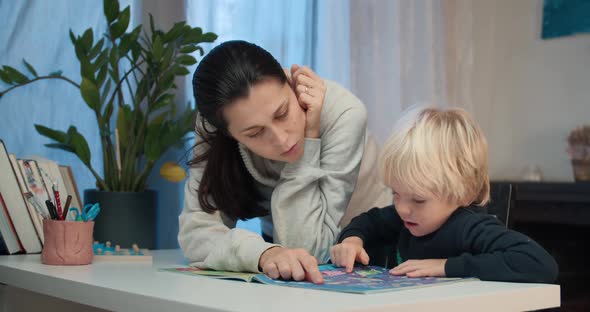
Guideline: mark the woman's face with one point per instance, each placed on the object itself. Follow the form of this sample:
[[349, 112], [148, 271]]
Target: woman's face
[[269, 122]]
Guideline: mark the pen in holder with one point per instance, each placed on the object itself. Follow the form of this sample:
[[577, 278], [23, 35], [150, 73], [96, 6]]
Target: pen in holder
[[67, 242]]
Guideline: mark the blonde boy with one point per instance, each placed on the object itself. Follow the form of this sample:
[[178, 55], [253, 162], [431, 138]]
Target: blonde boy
[[436, 163]]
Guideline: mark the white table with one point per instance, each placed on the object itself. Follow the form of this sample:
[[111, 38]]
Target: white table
[[141, 287]]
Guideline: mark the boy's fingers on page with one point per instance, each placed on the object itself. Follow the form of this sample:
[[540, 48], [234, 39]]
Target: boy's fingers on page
[[404, 268], [338, 257], [363, 257], [332, 258], [349, 259], [419, 273], [271, 269]]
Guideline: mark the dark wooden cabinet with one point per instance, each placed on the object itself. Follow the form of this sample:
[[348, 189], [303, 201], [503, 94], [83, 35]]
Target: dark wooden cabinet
[[557, 215]]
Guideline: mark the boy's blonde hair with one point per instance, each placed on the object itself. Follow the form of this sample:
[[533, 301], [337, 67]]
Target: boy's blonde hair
[[440, 152]]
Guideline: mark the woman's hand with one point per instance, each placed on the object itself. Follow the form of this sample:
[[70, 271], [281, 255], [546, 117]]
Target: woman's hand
[[310, 90], [348, 252], [421, 268], [285, 263]]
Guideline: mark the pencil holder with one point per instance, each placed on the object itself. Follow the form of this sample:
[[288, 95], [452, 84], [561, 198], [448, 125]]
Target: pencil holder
[[67, 242]]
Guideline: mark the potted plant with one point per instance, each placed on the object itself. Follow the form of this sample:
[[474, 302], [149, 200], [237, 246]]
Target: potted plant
[[127, 80], [579, 151]]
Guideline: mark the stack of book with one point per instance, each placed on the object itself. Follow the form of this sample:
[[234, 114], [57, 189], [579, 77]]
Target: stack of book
[[21, 222]]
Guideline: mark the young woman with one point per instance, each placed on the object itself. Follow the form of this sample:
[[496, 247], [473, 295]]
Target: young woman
[[283, 146]]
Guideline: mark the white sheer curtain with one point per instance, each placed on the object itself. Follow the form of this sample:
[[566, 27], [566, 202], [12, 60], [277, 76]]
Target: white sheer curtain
[[392, 54]]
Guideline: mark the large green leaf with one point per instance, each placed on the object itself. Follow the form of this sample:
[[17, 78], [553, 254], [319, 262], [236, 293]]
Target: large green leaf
[[90, 94], [56, 135], [120, 26], [80, 145], [181, 71], [134, 34], [87, 40], [152, 25], [168, 54], [108, 112], [102, 75], [123, 123], [208, 37], [124, 44], [114, 57], [152, 147], [111, 10], [102, 59], [186, 60], [14, 74], [188, 49], [174, 32], [65, 147], [4, 77], [86, 69], [30, 68], [96, 49], [157, 48], [105, 91], [192, 35], [73, 38]]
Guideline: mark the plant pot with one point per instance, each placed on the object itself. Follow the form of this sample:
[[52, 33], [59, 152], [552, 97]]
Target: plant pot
[[581, 169], [125, 218]]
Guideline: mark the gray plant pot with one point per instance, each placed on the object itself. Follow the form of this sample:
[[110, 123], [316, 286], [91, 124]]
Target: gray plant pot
[[125, 218]]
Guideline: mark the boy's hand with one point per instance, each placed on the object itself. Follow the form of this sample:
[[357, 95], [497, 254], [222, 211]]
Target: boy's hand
[[346, 253], [297, 264], [421, 268]]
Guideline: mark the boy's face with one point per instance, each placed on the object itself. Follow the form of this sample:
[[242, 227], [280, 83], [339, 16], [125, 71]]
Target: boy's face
[[421, 215]]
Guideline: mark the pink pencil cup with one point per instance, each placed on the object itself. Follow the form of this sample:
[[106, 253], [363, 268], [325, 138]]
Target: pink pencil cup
[[67, 242]]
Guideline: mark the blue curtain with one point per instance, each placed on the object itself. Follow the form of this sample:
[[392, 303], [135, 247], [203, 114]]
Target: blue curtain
[[38, 32]]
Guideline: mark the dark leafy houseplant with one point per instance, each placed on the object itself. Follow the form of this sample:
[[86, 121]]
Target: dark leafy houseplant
[[130, 74]]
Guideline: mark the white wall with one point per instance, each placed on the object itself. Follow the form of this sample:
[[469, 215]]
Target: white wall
[[528, 93]]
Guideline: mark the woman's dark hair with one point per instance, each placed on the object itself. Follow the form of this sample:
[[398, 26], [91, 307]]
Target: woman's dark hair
[[224, 75]]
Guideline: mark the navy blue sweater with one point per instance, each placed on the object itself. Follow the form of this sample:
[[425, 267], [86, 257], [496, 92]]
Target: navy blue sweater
[[474, 244]]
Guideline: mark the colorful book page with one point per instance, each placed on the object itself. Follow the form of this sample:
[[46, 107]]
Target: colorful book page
[[362, 280]]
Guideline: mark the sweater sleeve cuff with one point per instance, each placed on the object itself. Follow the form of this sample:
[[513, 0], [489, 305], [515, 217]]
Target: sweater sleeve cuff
[[257, 249], [309, 159], [350, 233], [455, 267]]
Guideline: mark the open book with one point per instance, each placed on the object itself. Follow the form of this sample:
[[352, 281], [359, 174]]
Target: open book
[[362, 280]]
